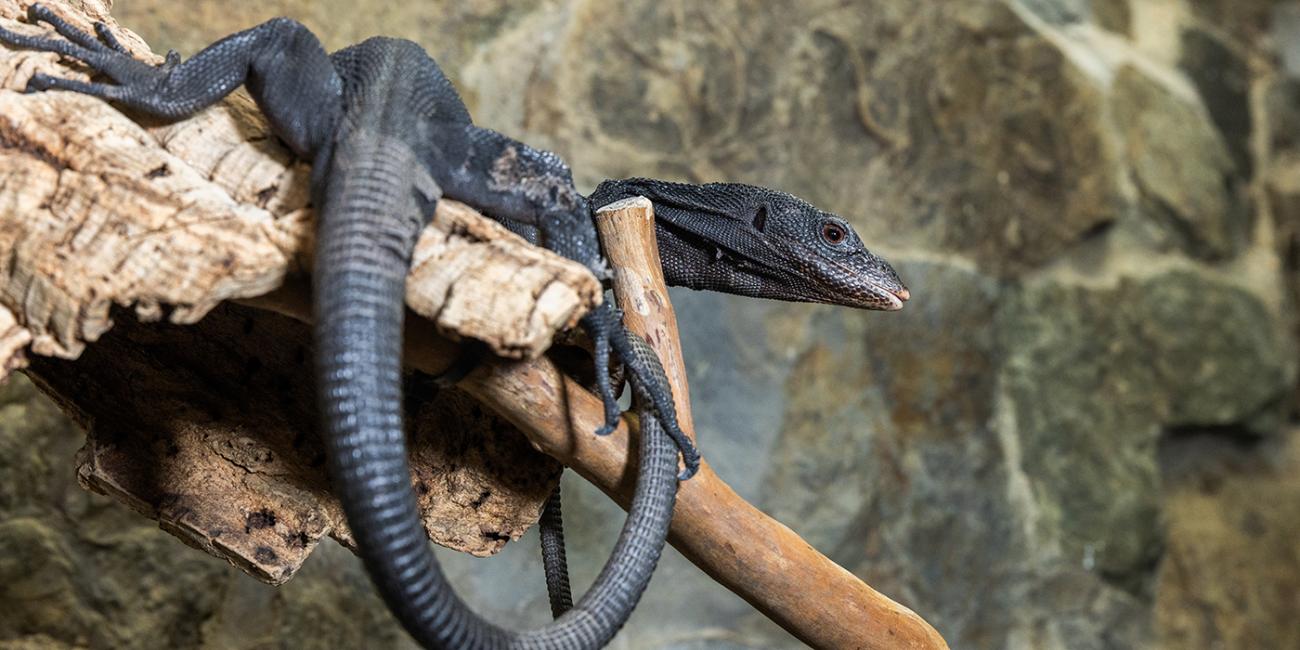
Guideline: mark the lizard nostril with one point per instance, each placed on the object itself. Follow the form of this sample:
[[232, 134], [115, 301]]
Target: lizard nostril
[[903, 294]]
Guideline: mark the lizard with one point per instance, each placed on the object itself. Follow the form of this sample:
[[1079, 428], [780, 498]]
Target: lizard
[[715, 236], [745, 240], [387, 137]]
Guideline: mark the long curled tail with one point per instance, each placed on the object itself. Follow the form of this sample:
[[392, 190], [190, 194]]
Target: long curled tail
[[362, 257], [365, 237], [551, 526]]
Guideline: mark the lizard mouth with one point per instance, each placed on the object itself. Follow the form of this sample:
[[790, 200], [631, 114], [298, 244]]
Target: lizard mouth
[[866, 283], [895, 298], [875, 297]]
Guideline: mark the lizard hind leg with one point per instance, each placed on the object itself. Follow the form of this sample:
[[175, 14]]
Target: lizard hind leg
[[287, 71]]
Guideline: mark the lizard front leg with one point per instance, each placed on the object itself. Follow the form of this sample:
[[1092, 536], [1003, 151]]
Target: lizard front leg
[[523, 186]]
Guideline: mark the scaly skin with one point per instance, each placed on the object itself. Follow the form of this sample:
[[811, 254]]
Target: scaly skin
[[758, 242], [387, 137]]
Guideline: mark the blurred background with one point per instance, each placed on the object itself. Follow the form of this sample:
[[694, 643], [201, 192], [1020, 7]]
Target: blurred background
[[1080, 433]]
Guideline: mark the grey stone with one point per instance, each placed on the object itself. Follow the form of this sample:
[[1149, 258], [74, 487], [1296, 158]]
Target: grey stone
[[1282, 105], [1184, 173], [829, 102], [1286, 33], [1061, 12], [1231, 575], [1096, 376], [1246, 21], [1223, 79]]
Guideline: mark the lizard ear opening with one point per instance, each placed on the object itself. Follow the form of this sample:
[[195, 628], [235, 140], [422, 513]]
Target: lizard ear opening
[[760, 218]]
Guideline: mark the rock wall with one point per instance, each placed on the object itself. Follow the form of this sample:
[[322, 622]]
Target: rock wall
[[1079, 434]]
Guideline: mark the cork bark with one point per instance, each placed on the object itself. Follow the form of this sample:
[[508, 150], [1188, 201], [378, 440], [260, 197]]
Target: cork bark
[[99, 210]]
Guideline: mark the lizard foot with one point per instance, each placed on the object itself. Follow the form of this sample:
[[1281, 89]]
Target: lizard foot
[[170, 60], [599, 325], [607, 333], [101, 51]]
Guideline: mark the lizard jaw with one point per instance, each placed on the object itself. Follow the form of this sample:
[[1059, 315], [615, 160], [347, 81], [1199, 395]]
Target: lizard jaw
[[879, 299], [896, 298]]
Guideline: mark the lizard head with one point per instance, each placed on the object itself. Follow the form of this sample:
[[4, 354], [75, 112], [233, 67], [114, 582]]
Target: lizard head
[[759, 242]]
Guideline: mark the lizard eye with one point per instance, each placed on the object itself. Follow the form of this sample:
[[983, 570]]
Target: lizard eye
[[833, 233], [760, 218]]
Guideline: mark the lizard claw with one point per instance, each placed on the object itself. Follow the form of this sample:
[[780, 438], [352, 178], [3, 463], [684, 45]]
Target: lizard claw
[[39, 82], [598, 325], [646, 374], [39, 13], [172, 60], [690, 456]]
